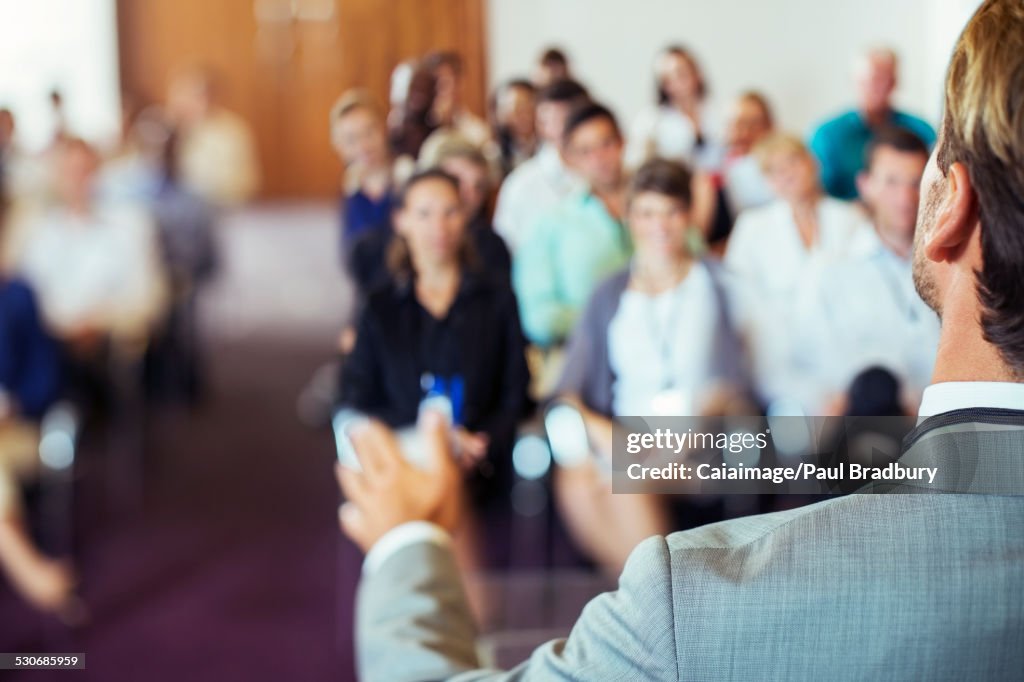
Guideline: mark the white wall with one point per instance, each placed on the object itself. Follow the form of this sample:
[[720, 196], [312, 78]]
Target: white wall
[[66, 44], [799, 52]]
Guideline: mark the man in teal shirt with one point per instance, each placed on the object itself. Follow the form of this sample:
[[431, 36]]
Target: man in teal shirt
[[567, 252], [840, 143]]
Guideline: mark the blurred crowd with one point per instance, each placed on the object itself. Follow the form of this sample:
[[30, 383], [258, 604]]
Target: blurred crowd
[[103, 253], [700, 260], [697, 260]]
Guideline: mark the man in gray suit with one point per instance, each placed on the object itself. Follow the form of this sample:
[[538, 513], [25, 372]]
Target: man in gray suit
[[885, 586]]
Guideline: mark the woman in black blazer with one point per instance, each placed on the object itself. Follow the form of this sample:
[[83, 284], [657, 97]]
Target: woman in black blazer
[[442, 326]]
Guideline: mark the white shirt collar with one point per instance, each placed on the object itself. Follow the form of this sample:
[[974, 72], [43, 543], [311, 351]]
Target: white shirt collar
[[958, 395]]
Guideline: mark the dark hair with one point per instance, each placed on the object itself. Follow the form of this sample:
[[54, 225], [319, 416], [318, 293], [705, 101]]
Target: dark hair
[[562, 92], [669, 178], [585, 113], [894, 137], [554, 56], [875, 392], [520, 83], [680, 51], [398, 258], [983, 130], [440, 58], [402, 195]]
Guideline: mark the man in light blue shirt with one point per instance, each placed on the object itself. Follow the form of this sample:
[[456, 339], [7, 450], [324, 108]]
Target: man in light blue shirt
[[569, 250], [840, 143]]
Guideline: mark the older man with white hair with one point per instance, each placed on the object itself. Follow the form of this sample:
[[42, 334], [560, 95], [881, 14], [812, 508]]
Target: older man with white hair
[[840, 142]]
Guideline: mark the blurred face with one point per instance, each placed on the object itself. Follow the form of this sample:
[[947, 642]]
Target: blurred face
[[658, 224], [551, 117], [517, 110], [793, 175], [359, 138], [748, 123], [546, 74], [474, 183], [595, 151], [677, 77], [75, 172], [432, 223], [189, 98], [876, 82], [891, 189]]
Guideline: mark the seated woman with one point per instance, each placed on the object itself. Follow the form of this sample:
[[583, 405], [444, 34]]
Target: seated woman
[[656, 339], [29, 383], [359, 136], [441, 325], [778, 253]]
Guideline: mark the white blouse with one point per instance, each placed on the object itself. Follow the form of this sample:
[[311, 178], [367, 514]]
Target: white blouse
[[661, 346]]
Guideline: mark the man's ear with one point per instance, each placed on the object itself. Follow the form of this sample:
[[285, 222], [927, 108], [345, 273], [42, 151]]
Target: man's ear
[[955, 218]]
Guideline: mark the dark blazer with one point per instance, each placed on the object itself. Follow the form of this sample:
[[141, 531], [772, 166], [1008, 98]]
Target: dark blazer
[[398, 342]]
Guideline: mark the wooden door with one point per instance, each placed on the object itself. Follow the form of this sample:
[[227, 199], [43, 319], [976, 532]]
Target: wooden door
[[283, 62]]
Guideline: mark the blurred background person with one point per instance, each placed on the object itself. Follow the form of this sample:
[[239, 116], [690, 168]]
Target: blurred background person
[[30, 382], [544, 181], [449, 110], [94, 265], [750, 121], [465, 162], [414, 119], [583, 239], [515, 115], [441, 326], [681, 127], [552, 66], [657, 339], [217, 152], [778, 250], [359, 136], [864, 311], [839, 142]]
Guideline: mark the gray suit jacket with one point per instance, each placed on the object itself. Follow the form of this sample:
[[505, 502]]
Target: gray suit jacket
[[891, 586]]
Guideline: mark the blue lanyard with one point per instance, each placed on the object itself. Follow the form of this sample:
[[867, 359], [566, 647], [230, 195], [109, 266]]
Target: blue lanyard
[[453, 388]]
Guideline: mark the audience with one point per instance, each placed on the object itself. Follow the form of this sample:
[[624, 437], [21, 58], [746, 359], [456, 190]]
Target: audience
[[94, 265], [359, 137], [515, 113], [30, 382], [582, 240], [656, 339], [777, 250], [541, 183], [217, 154], [442, 325], [864, 312], [839, 143]]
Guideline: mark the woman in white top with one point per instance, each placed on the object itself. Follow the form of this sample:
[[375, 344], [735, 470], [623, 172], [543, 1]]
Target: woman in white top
[[655, 339], [776, 250], [680, 127]]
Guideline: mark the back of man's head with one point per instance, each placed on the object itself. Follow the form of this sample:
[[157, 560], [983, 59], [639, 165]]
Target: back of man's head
[[984, 130]]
